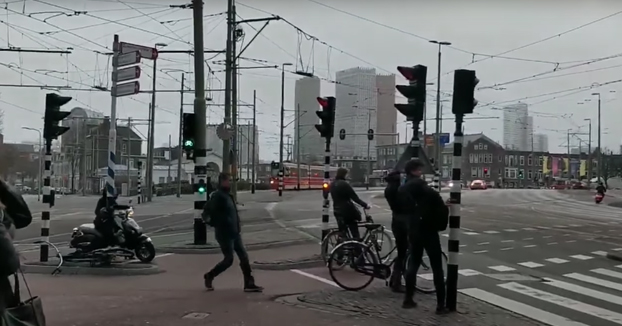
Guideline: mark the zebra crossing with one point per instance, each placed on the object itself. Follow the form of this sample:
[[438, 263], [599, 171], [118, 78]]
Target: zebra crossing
[[577, 298]]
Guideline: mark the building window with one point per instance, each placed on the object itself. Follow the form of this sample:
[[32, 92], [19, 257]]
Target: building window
[[529, 160], [490, 158], [474, 172], [510, 173], [522, 160], [161, 180], [471, 158], [124, 148], [540, 160], [500, 159], [507, 161], [529, 174], [485, 147]]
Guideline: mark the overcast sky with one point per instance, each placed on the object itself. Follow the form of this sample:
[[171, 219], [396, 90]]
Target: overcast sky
[[567, 45]]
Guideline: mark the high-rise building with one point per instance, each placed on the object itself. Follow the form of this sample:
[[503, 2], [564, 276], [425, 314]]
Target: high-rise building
[[515, 126], [244, 140], [357, 99], [306, 137], [386, 114], [530, 137], [541, 143]]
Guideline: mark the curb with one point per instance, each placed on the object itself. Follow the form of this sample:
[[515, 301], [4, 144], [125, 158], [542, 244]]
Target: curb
[[188, 250], [614, 256], [309, 262], [124, 269]]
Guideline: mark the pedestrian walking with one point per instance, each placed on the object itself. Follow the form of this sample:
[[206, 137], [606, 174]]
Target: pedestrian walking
[[428, 216], [221, 213]]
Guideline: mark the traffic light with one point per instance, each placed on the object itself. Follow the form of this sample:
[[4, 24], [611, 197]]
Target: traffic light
[[53, 115], [370, 134], [201, 186], [188, 133], [485, 171], [327, 116], [415, 92], [520, 174], [464, 92]]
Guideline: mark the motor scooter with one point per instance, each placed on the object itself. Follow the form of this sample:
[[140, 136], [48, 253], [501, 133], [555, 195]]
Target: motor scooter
[[598, 198]]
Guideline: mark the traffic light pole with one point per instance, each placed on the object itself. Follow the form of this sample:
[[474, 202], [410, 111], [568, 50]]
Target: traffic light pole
[[325, 191], [112, 134], [455, 197], [200, 108], [48, 198]]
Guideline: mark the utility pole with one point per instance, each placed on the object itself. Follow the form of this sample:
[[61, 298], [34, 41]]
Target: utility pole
[[368, 150], [170, 158], [200, 108], [226, 144], [589, 151], [254, 139], [282, 127], [600, 150], [127, 161], [297, 134], [234, 106], [437, 136], [181, 122], [568, 149]]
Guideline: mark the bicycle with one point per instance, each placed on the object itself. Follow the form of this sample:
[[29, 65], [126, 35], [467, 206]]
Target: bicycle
[[372, 230], [362, 259]]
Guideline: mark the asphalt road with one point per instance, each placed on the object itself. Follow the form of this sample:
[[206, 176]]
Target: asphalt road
[[538, 253]]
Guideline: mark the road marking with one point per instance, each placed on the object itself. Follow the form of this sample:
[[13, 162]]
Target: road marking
[[315, 277], [483, 243], [599, 253], [428, 277], [543, 227], [445, 235], [557, 260], [491, 232], [529, 246], [530, 264], [507, 248], [571, 241], [510, 230], [595, 281], [529, 229], [480, 251], [468, 272], [502, 268], [583, 291], [506, 241], [607, 272], [617, 249], [559, 226], [564, 302], [552, 243], [575, 225], [581, 257], [520, 308], [471, 233]]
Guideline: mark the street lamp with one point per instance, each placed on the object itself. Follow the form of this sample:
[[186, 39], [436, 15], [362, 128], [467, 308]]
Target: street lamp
[[437, 137], [589, 150], [600, 162], [281, 170], [151, 140], [39, 186]]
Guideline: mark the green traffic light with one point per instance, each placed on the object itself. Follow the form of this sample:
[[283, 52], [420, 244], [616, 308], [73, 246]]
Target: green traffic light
[[188, 143], [201, 190]]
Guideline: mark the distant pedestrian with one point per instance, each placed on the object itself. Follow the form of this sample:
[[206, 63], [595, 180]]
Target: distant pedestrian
[[223, 216]]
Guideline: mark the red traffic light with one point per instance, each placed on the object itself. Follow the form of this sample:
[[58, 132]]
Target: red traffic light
[[485, 171], [323, 102], [407, 72]]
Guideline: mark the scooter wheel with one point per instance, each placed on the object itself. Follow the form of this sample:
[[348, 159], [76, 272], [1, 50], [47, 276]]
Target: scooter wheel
[[145, 252]]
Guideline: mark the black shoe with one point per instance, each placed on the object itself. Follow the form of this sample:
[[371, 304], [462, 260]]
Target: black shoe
[[409, 304], [442, 311], [207, 280], [253, 288]]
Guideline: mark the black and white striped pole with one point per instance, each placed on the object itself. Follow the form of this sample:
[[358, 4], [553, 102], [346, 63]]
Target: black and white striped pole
[[463, 103], [139, 181], [326, 130], [51, 131]]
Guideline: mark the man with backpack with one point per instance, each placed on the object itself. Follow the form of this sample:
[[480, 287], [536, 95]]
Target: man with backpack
[[428, 215], [221, 213]]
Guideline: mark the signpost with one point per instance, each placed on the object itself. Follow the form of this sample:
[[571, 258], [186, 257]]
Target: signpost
[[126, 89], [146, 52], [127, 59], [127, 74]]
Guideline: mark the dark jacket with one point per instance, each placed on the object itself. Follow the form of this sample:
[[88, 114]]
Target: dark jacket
[[16, 207], [224, 213], [421, 203], [344, 198], [101, 203], [601, 189]]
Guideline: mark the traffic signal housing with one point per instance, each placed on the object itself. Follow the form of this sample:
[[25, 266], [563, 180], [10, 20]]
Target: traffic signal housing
[[485, 171], [415, 92], [521, 174], [464, 100], [188, 133], [53, 115], [327, 116], [201, 186]]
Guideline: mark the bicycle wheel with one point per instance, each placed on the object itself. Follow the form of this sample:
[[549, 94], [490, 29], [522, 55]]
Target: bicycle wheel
[[384, 244], [353, 266], [332, 239], [424, 274]]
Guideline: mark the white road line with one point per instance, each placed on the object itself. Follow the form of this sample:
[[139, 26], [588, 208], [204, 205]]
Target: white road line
[[564, 302], [506, 248], [529, 246], [506, 241], [468, 272], [581, 257], [520, 308], [502, 268], [315, 277], [470, 233], [480, 251], [510, 230], [599, 253], [491, 232], [557, 260], [584, 291], [529, 229], [530, 264], [552, 243], [607, 272], [595, 281], [483, 243]]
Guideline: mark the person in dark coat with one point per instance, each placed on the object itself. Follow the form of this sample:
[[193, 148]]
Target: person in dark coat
[[223, 212], [104, 221], [344, 198], [399, 227], [423, 205]]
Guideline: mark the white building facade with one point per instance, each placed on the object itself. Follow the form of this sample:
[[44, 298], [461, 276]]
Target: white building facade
[[541, 143], [306, 137], [386, 117], [515, 127]]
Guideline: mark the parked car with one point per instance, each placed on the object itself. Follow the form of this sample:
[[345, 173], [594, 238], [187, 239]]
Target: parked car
[[478, 184]]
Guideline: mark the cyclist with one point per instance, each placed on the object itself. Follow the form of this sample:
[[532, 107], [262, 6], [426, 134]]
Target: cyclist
[[399, 226], [426, 207], [344, 197]]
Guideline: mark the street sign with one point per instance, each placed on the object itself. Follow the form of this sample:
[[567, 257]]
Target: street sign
[[342, 134], [126, 59], [224, 131], [126, 89], [145, 51], [127, 74]]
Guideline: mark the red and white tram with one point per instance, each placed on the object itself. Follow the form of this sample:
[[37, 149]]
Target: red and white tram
[[311, 176]]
